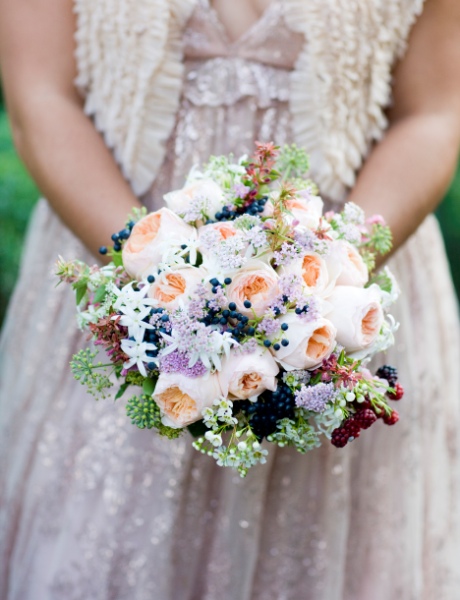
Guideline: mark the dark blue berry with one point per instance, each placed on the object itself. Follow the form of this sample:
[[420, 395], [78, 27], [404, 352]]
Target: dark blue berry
[[115, 237], [298, 311], [214, 281], [247, 304], [215, 290], [226, 313], [151, 366], [223, 321], [233, 314], [284, 326], [227, 281], [103, 250], [165, 318], [150, 278], [267, 343], [285, 343], [232, 306], [124, 234], [117, 247], [276, 347], [251, 331]]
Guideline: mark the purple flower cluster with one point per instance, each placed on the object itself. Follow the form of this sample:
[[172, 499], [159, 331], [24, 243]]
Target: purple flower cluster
[[268, 326], [313, 313], [291, 287], [315, 398], [286, 254], [219, 300], [177, 362]]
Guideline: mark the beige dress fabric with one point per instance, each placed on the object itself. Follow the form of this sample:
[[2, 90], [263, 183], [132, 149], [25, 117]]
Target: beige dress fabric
[[94, 509]]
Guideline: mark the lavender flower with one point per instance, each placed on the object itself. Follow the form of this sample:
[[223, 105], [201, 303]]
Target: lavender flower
[[177, 362], [316, 397], [257, 237], [240, 190], [287, 253], [218, 300], [268, 326], [314, 310]]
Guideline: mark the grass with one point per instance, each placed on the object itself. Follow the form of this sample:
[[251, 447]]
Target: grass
[[18, 195]]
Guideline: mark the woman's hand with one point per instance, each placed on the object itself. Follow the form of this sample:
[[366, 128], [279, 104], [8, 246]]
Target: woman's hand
[[407, 174], [58, 143]]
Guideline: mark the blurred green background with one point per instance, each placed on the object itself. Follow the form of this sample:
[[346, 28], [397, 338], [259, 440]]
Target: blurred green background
[[18, 196]]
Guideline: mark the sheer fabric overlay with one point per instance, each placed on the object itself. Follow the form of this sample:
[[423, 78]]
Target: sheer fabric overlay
[[92, 508]]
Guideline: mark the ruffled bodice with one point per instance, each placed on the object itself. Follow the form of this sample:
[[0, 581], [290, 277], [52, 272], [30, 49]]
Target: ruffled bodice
[[233, 92]]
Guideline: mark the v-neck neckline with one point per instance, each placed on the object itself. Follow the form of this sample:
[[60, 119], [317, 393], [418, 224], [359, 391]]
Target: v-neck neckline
[[250, 31]]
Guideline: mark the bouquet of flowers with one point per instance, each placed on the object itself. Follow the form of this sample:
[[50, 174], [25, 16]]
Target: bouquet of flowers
[[241, 312]]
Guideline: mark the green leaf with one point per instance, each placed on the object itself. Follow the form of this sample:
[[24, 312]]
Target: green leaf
[[100, 294], [122, 390], [148, 387], [117, 259], [80, 291]]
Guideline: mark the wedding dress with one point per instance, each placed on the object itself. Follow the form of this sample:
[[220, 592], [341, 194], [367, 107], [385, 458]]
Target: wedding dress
[[94, 509]]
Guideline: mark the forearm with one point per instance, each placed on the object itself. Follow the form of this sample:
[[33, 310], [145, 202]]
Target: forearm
[[73, 168], [407, 174]]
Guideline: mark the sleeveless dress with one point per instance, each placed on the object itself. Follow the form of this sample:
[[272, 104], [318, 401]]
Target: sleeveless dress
[[94, 509]]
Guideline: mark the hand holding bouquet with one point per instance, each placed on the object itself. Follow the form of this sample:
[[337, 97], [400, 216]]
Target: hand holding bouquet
[[241, 312]]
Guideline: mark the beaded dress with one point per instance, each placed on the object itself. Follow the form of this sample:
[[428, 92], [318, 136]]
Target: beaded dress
[[95, 509]]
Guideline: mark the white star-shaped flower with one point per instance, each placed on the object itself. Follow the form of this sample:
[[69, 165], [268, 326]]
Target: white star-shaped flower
[[137, 352]]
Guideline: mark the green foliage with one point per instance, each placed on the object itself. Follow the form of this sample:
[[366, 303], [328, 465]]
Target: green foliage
[[17, 198], [292, 162], [93, 376], [145, 414]]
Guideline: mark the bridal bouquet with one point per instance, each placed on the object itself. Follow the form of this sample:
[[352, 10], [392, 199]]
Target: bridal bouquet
[[241, 312]]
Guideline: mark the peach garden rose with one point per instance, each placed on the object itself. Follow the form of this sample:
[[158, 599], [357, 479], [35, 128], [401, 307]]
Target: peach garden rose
[[182, 399], [150, 238], [248, 375], [257, 283]]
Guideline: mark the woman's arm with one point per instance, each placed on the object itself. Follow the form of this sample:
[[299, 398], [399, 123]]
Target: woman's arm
[[59, 145], [407, 174]]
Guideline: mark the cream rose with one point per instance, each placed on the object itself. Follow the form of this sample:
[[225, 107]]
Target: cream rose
[[353, 268], [357, 314], [182, 399], [309, 342], [179, 201], [248, 375], [173, 288], [313, 271], [257, 282], [150, 238]]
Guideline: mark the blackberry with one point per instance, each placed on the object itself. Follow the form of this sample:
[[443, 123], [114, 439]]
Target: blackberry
[[388, 373], [348, 431], [268, 410], [365, 418]]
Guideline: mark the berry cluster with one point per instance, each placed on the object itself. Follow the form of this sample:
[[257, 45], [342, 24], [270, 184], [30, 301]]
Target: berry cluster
[[152, 336], [268, 410], [118, 238], [388, 373], [367, 414], [253, 208]]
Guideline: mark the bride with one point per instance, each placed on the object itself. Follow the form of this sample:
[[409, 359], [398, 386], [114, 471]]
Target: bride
[[110, 105]]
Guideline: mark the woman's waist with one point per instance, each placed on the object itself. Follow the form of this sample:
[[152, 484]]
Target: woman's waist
[[224, 80]]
